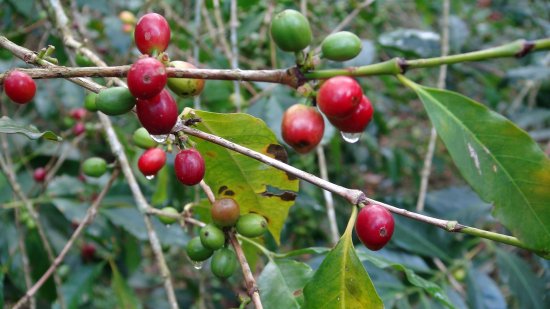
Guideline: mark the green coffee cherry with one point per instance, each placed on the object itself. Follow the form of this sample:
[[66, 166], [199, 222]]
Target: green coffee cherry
[[143, 139], [166, 219], [212, 237], [83, 61], [94, 167], [196, 251], [223, 263], [341, 46], [290, 30], [89, 102], [251, 225], [185, 87], [115, 101]]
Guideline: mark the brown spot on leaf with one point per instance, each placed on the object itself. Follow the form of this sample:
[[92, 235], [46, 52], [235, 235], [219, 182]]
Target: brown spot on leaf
[[297, 293], [290, 176], [229, 193], [278, 152], [221, 189], [285, 196]]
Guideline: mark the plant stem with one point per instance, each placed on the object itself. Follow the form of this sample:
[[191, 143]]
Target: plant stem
[[250, 282]]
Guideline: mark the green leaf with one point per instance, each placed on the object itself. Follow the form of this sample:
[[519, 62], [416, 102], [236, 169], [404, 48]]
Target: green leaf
[[80, 283], [498, 159], [341, 281], [310, 250], [1, 287], [161, 191], [524, 284], [281, 283], [256, 186], [483, 292], [10, 126], [126, 298], [431, 288]]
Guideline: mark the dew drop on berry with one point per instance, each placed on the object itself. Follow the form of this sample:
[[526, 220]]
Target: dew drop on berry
[[197, 265], [150, 177], [351, 137], [160, 138]]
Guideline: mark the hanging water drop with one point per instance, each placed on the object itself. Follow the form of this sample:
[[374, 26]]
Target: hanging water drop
[[160, 138], [150, 177], [197, 265], [351, 137]]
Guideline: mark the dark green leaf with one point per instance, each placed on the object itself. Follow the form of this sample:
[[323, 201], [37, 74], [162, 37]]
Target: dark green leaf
[[161, 191], [483, 293], [255, 186], [80, 283], [528, 288], [281, 283], [498, 159], [310, 250], [341, 281], [1, 289], [431, 288], [126, 298], [10, 126]]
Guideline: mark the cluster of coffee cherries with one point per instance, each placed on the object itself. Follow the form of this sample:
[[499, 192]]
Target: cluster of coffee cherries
[[213, 242], [340, 98]]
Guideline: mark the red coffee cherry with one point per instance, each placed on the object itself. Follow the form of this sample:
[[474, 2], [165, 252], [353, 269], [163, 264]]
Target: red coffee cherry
[[39, 174], [339, 96], [302, 127], [151, 161], [189, 167], [357, 121], [374, 226], [87, 252], [79, 128], [146, 78], [159, 114], [78, 113], [152, 34], [19, 87]]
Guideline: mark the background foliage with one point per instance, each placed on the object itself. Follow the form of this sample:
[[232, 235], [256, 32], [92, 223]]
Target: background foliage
[[421, 267]]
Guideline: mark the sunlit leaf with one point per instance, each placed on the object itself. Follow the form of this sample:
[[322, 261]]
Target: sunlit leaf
[[498, 159], [257, 187], [342, 281], [10, 126]]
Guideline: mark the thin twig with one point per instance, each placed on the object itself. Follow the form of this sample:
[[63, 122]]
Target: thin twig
[[234, 23], [427, 168], [250, 282], [90, 215], [24, 256], [329, 201]]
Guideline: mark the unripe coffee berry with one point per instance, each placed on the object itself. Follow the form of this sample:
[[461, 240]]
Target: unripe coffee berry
[[251, 225], [167, 219], [196, 251], [225, 212], [212, 237], [94, 167], [223, 263]]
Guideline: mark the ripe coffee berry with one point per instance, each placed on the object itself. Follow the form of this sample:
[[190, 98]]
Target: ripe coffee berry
[[146, 78], [152, 34], [302, 127], [79, 128], [225, 212], [87, 252], [374, 226], [158, 114], [151, 161], [39, 174], [19, 87], [78, 113], [339, 96], [189, 167], [358, 120]]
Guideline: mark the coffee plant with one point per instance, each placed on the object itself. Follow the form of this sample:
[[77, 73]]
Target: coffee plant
[[264, 154]]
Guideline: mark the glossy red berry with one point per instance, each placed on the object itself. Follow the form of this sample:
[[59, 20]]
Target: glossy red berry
[[79, 128], [152, 34], [339, 96], [78, 113], [19, 87], [374, 226], [159, 114], [151, 161], [146, 78], [39, 174], [189, 167], [302, 127], [357, 121]]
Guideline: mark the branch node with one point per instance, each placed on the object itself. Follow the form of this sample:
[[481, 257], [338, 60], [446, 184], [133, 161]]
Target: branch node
[[403, 65], [526, 47]]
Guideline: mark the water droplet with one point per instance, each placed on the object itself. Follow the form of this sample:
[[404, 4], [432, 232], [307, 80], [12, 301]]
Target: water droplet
[[160, 138], [338, 299], [351, 137], [197, 265], [150, 177]]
